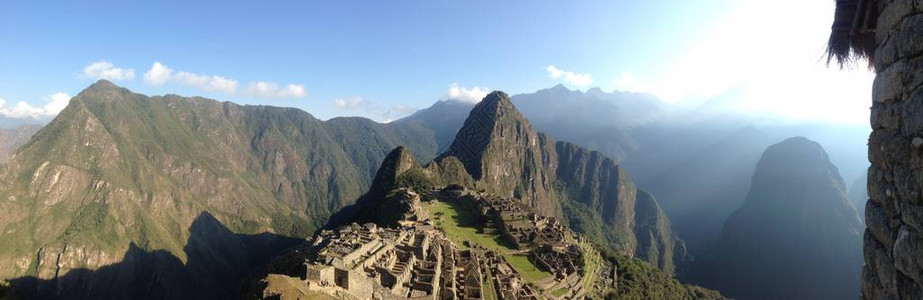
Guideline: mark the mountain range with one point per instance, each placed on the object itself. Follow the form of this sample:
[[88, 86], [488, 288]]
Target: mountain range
[[119, 182]]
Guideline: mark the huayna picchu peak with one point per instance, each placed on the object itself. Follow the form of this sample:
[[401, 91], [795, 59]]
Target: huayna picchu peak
[[492, 212]]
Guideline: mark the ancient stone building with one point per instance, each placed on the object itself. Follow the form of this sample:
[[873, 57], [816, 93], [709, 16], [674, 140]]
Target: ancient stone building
[[889, 33]]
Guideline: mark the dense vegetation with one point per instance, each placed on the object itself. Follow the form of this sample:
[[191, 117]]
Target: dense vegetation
[[639, 280]]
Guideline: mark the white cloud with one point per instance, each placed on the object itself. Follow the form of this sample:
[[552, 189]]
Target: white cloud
[[157, 75], [106, 70], [569, 77], [628, 83], [190, 79], [272, 90], [473, 95], [22, 110], [372, 110], [160, 74], [221, 84], [348, 103]]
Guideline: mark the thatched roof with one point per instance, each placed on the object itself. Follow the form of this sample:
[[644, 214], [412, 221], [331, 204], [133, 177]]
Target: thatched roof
[[852, 35]]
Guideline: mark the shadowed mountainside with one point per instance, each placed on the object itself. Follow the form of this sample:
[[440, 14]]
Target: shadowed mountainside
[[796, 236], [216, 262]]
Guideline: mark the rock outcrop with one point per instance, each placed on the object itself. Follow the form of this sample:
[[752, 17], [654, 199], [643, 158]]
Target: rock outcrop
[[796, 236]]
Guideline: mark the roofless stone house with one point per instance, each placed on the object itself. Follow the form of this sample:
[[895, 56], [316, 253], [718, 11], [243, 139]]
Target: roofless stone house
[[889, 34]]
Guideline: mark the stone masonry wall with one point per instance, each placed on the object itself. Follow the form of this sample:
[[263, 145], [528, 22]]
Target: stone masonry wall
[[894, 213]]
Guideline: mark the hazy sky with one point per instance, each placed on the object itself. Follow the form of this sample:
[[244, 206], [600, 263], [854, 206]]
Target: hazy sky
[[383, 59]]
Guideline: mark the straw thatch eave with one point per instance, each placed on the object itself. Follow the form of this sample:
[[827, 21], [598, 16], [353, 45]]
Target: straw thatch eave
[[852, 36]]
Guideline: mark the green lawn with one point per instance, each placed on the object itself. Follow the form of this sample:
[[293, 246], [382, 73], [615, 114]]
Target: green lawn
[[526, 268], [559, 292], [459, 225]]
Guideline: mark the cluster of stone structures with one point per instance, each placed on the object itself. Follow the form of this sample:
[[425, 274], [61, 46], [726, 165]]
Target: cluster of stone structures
[[366, 262], [520, 226], [418, 261]]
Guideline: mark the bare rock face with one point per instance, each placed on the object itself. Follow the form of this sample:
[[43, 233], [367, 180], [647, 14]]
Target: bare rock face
[[894, 234]]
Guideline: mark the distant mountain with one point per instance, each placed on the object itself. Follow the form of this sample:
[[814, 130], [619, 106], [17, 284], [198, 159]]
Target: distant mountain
[[179, 186], [499, 152], [444, 118], [700, 192], [593, 119], [796, 236], [859, 194], [11, 139]]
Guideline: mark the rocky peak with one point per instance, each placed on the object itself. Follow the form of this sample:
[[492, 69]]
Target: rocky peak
[[504, 154], [395, 163], [491, 121]]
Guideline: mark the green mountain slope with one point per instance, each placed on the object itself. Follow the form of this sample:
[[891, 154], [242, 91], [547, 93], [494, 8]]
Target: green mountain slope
[[117, 170]]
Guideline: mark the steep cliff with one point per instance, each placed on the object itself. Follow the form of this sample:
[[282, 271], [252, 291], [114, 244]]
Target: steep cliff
[[796, 236]]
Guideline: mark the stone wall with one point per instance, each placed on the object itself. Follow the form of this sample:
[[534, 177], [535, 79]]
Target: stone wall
[[894, 212]]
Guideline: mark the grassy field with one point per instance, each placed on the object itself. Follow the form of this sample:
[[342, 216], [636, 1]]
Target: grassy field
[[526, 268], [460, 226], [559, 292]]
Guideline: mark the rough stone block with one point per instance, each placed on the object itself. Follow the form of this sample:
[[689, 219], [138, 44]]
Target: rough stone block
[[878, 259], [908, 253], [887, 86], [909, 39], [884, 116], [892, 14], [877, 222], [912, 215]]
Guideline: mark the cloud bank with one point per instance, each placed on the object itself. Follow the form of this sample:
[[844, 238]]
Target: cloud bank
[[160, 74], [22, 110], [106, 70], [576, 79], [472, 95], [372, 110]]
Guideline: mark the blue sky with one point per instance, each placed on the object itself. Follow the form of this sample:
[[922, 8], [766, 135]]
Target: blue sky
[[382, 59]]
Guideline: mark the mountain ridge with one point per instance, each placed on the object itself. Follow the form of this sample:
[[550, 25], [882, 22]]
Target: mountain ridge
[[117, 168]]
